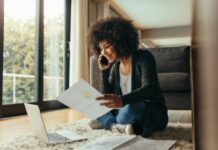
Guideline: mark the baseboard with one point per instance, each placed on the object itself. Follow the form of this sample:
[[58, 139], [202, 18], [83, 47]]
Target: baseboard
[[180, 116]]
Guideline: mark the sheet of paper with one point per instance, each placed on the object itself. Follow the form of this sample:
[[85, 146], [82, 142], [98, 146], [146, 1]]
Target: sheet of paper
[[107, 142], [81, 97], [143, 143], [71, 135]]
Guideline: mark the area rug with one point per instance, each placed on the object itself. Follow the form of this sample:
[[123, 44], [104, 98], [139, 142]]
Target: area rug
[[174, 131]]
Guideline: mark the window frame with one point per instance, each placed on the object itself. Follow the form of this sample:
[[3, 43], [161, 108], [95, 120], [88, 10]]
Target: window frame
[[18, 109]]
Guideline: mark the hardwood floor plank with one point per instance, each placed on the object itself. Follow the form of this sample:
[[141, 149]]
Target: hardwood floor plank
[[19, 125]]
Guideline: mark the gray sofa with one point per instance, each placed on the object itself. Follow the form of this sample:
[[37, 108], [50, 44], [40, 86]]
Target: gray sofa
[[173, 67]]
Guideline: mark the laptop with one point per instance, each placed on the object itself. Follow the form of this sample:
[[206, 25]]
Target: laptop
[[39, 129]]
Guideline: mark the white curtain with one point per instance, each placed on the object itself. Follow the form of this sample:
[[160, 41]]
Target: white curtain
[[78, 47]]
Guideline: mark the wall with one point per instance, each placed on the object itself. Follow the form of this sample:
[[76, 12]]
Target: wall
[[162, 37], [92, 12]]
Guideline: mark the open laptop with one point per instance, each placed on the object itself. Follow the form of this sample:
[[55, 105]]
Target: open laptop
[[40, 131]]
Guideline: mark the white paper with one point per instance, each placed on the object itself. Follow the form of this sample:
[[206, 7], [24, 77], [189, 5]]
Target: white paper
[[150, 144], [107, 142], [127, 142], [81, 97], [71, 135]]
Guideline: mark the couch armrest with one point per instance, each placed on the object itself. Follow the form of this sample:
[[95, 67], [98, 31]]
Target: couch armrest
[[95, 77]]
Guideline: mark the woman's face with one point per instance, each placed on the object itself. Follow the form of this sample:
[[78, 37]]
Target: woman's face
[[108, 51]]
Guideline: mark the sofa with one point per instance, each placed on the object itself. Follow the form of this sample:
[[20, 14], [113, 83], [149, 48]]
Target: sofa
[[173, 68]]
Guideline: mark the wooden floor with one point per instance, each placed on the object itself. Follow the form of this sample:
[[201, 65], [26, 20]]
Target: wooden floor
[[19, 125]]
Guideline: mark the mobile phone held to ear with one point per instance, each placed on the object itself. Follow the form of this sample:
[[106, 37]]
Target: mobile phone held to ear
[[104, 60]]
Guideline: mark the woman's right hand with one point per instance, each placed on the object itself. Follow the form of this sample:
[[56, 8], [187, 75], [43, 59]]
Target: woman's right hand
[[102, 66]]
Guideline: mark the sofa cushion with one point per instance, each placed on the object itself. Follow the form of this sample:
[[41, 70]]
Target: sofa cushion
[[178, 100], [176, 81], [171, 59]]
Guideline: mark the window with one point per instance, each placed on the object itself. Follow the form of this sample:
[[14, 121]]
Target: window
[[53, 48], [34, 53], [18, 52]]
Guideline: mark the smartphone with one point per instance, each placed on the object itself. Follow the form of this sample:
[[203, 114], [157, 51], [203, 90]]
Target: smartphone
[[104, 60]]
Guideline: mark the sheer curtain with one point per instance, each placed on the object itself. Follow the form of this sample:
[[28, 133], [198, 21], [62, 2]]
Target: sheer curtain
[[78, 47]]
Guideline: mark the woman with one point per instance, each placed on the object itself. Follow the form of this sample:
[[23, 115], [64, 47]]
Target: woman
[[129, 80]]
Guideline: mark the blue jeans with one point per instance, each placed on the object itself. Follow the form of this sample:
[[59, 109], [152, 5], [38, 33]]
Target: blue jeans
[[129, 114]]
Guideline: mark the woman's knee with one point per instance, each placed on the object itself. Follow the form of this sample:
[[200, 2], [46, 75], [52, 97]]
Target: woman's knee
[[124, 115], [130, 113]]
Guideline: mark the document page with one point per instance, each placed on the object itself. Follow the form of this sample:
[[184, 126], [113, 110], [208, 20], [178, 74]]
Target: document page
[[81, 97], [107, 142], [140, 143]]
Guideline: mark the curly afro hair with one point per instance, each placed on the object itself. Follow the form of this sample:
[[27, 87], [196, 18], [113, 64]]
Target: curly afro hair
[[119, 32]]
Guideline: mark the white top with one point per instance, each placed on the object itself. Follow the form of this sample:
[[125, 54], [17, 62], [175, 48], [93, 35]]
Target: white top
[[125, 83]]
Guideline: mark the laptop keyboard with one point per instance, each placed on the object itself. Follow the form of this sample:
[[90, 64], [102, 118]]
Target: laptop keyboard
[[55, 137]]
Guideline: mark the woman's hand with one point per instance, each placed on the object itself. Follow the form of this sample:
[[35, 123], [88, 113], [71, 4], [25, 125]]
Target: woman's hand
[[102, 66], [110, 100]]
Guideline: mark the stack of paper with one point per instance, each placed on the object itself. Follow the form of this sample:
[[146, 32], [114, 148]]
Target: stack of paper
[[127, 142], [107, 142], [140, 143]]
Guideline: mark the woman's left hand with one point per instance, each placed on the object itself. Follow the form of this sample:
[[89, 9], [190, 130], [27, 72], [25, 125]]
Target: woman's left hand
[[110, 100]]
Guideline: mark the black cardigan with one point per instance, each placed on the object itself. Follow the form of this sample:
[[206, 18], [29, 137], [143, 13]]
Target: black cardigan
[[145, 84]]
